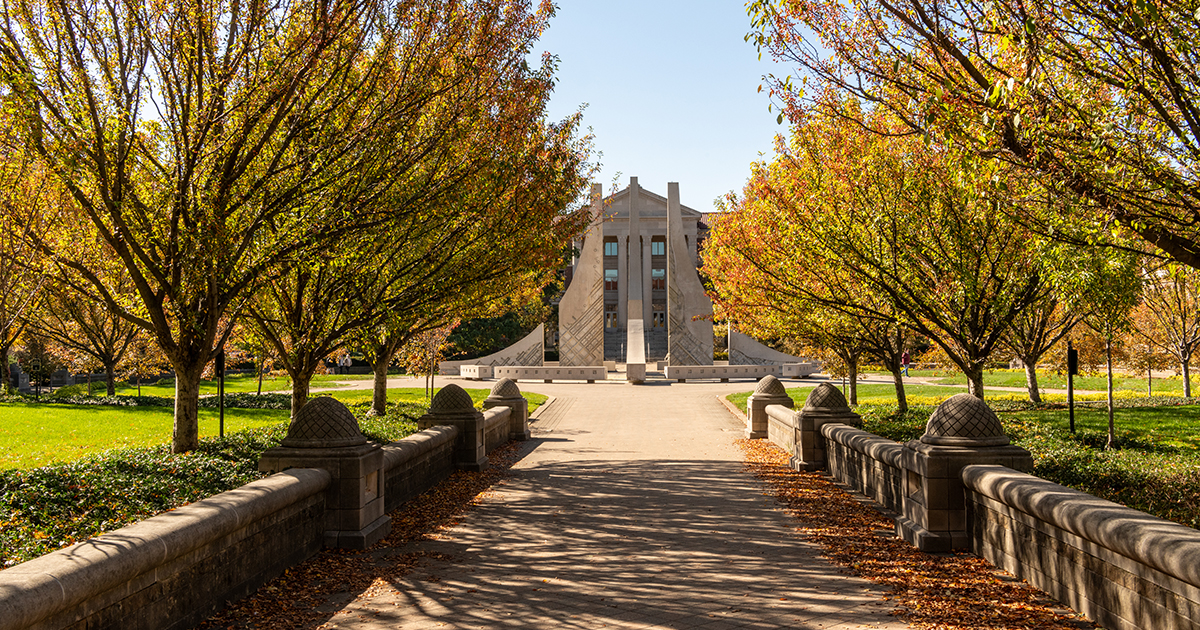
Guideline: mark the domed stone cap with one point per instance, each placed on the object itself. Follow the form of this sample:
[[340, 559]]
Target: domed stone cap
[[964, 420], [324, 423], [451, 399], [506, 388], [770, 386], [826, 397]]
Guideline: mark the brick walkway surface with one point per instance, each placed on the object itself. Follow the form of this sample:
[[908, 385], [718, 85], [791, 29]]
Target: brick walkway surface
[[628, 509]]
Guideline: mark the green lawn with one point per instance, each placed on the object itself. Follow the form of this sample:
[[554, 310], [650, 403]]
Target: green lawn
[[1177, 427], [37, 434], [1052, 380], [235, 383], [873, 393]]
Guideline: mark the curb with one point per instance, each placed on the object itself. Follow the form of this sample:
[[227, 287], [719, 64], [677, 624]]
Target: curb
[[537, 413], [731, 408]]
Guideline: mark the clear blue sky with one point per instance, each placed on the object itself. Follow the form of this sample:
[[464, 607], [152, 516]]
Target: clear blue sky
[[671, 91]]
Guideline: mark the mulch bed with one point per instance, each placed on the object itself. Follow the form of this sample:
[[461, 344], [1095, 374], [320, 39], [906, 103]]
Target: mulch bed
[[301, 597], [948, 591]]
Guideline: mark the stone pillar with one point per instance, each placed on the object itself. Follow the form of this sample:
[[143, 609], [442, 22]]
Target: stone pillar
[[647, 286], [325, 435], [505, 393], [635, 330], [622, 281], [825, 405], [689, 341], [453, 406], [962, 431], [768, 392]]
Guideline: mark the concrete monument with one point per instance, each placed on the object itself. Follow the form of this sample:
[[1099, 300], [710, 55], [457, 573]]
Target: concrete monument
[[689, 340], [581, 311]]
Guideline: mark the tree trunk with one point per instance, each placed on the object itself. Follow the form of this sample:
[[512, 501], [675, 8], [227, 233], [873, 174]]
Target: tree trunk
[[975, 381], [379, 395], [261, 364], [5, 370], [1187, 379], [1031, 382], [110, 381], [1112, 431], [901, 397], [187, 409], [853, 366], [300, 384]]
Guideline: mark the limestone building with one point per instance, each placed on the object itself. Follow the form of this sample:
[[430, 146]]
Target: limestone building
[[635, 243]]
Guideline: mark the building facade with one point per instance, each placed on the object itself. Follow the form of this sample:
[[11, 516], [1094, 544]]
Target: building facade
[[644, 270]]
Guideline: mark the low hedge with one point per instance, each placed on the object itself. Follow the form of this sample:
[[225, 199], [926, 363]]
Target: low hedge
[[48, 508], [1154, 478]]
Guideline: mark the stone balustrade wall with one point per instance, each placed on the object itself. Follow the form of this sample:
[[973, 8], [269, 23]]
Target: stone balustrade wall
[[175, 569], [1122, 568], [869, 464]]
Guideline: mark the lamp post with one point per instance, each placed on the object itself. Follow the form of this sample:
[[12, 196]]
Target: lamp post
[[1072, 370], [221, 388]]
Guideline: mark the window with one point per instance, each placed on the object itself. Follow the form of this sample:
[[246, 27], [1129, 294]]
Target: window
[[658, 279], [610, 248], [658, 319], [658, 248], [610, 280], [610, 315]]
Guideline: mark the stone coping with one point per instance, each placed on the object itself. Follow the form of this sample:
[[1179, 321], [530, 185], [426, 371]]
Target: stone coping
[[1169, 547], [878, 448], [417, 444], [783, 414], [34, 590]]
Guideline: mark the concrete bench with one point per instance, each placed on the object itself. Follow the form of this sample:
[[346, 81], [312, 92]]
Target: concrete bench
[[682, 373], [800, 370], [590, 374], [475, 372]]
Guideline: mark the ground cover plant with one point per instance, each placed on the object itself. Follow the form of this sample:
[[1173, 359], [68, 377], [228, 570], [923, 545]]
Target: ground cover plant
[[1155, 470], [111, 484]]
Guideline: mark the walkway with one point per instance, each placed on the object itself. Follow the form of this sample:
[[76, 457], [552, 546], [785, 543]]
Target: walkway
[[629, 509]]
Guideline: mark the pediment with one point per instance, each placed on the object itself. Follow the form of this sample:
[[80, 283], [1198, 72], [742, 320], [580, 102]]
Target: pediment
[[653, 206]]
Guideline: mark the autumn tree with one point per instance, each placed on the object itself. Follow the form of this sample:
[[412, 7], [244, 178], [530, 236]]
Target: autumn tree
[[1035, 330], [916, 225], [1097, 100], [26, 197], [209, 144], [1110, 289], [1169, 314]]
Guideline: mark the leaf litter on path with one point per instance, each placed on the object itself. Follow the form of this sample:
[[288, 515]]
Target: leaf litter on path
[[944, 591]]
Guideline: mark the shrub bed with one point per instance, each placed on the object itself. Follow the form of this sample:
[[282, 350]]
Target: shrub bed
[[1144, 475], [48, 508]]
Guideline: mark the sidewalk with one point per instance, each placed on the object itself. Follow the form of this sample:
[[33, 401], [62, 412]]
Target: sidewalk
[[628, 509]]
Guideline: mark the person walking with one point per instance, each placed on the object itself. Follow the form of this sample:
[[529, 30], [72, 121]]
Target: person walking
[[904, 361]]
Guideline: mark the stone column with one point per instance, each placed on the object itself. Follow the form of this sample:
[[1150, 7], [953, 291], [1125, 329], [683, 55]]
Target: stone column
[[647, 287], [622, 281], [453, 406], [768, 392], [962, 431], [325, 435], [505, 393], [825, 405], [635, 331]]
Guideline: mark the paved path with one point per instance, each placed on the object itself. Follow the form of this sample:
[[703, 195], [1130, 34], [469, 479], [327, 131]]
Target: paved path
[[629, 509]]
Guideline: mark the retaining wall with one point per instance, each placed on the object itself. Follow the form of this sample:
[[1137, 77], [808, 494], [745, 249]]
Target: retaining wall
[[869, 464], [174, 569], [1123, 568]]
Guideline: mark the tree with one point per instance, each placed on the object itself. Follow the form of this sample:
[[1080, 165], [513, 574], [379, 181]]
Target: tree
[[85, 330], [1034, 331], [916, 225], [1169, 314], [1112, 289], [210, 144], [26, 197], [142, 360], [1095, 99], [423, 351]]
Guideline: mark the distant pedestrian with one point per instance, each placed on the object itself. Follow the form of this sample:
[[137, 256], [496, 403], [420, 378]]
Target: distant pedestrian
[[904, 361]]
